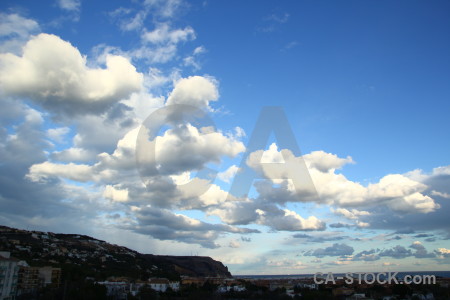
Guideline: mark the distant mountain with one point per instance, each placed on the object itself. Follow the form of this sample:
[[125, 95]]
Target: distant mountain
[[82, 256]]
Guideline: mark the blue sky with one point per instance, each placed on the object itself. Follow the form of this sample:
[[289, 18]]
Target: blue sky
[[363, 84]]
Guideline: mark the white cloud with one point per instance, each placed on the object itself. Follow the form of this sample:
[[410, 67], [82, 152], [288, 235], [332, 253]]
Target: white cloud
[[362, 224], [114, 194], [228, 174], [414, 203], [160, 54], [398, 192], [160, 10], [16, 26], [196, 91], [352, 214], [285, 170], [289, 221], [164, 8], [179, 149], [156, 78], [161, 44], [339, 263], [69, 5], [440, 194], [117, 174], [214, 196], [163, 34], [251, 211], [423, 209], [238, 212], [15, 30], [123, 156], [100, 133], [199, 50], [143, 104], [234, 244], [54, 74], [272, 155], [73, 155], [273, 21], [191, 60], [57, 134], [441, 171], [239, 132], [395, 185], [326, 162], [443, 251], [128, 23], [187, 148], [77, 172], [279, 18], [389, 264], [135, 23]]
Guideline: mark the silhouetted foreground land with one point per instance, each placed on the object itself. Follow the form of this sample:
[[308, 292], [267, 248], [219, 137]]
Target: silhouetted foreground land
[[45, 265], [91, 290], [85, 256]]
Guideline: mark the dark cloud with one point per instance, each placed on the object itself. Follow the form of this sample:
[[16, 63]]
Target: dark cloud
[[437, 180], [423, 235], [367, 255], [335, 250], [397, 252], [306, 238], [421, 252], [280, 219], [302, 236], [166, 225], [238, 213], [341, 225], [407, 230], [271, 215], [39, 205], [270, 193]]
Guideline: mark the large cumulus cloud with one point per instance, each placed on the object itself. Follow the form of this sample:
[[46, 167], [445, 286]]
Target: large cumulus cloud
[[399, 192], [54, 74]]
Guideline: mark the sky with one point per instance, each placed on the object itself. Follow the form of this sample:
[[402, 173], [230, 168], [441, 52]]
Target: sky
[[287, 137]]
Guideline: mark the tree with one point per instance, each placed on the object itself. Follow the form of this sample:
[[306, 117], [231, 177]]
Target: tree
[[147, 293]]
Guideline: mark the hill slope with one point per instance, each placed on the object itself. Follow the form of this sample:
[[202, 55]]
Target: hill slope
[[81, 256]]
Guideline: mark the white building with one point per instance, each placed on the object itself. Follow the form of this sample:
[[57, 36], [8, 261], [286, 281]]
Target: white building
[[228, 288], [174, 285], [162, 284], [311, 286], [158, 284]]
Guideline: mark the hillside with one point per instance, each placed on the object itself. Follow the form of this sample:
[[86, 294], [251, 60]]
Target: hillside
[[83, 256]]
